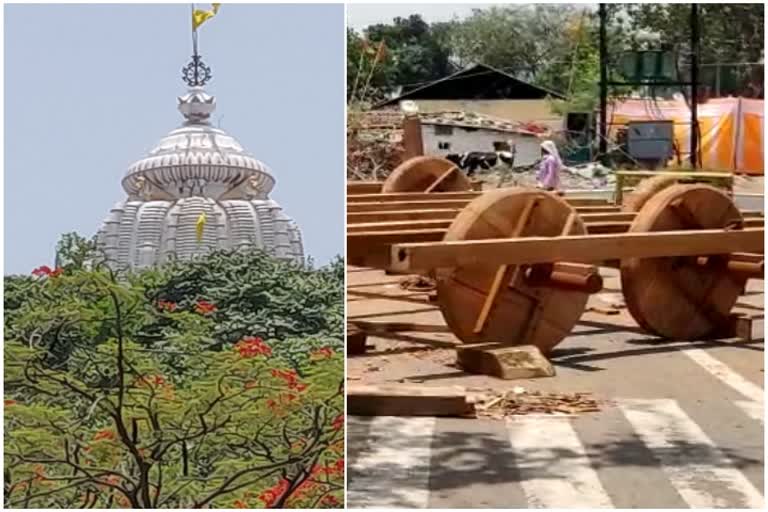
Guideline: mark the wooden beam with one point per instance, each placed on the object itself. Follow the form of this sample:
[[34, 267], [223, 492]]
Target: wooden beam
[[410, 196], [407, 400], [374, 187], [387, 232], [451, 213], [468, 196], [417, 257], [406, 205], [503, 273], [370, 217], [436, 201], [364, 187]]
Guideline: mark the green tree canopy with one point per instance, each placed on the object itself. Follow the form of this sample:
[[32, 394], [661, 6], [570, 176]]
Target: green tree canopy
[[212, 383]]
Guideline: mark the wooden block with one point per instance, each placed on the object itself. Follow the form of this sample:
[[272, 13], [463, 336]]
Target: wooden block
[[742, 325], [407, 400], [504, 361], [356, 339]]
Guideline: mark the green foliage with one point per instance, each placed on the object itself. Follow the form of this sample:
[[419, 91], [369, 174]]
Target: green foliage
[[556, 45], [415, 54], [212, 383]]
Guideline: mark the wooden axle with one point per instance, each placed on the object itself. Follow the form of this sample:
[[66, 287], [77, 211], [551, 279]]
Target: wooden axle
[[735, 265], [565, 276], [416, 257]]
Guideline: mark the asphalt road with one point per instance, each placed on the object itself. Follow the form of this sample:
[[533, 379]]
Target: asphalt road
[[681, 426]]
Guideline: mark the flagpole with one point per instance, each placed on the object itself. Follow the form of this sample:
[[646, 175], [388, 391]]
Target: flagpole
[[194, 31]]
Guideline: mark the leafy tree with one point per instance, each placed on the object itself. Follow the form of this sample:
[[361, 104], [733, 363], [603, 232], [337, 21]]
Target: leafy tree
[[415, 55], [124, 391]]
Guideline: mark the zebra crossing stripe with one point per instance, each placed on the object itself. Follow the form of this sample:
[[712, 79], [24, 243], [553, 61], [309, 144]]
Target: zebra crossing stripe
[[393, 472], [720, 370], [555, 471], [754, 410], [700, 472], [753, 407]]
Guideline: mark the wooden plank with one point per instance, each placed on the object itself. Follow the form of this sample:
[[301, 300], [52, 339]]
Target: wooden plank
[[503, 275], [451, 213], [425, 231], [364, 187], [431, 214], [398, 225], [410, 196], [574, 200], [406, 205], [407, 400], [374, 187], [416, 257], [439, 203]]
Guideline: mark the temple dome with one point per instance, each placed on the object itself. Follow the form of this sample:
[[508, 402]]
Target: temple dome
[[196, 169]]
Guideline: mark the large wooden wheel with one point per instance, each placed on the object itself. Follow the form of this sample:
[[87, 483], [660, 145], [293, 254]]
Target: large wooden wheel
[[488, 303], [683, 298], [426, 174]]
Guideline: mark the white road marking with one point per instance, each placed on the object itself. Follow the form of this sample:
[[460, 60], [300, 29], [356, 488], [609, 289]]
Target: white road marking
[[700, 472], [754, 410], [393, 472], [754, 406], [732, 379], [554, 467]]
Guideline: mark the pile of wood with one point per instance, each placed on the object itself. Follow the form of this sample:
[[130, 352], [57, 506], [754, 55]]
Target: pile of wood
[[374, 146], [520, 402]]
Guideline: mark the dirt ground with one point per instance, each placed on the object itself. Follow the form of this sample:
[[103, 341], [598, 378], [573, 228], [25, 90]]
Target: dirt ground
[[426, 354]]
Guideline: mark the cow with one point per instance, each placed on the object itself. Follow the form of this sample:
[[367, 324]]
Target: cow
[[470, 161]]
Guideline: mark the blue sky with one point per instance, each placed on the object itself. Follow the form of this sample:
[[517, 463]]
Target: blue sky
[[89, 89]]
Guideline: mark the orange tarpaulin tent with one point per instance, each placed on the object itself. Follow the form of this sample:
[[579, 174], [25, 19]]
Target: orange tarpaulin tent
[[731, 129]]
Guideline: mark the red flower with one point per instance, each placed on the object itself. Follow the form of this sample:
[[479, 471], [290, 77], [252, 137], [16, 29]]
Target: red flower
[[271, 404], [104, 434], [330, 500], [251, 346], [45, 270], [291, 378], [146, 380], [322, 353], [290, 397], [204, 307], [240, 504], [8, 403], [338, 422], [339, 464], [270, 496], [166, 305]]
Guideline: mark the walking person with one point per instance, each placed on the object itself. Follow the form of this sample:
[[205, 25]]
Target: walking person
[[548, 176]]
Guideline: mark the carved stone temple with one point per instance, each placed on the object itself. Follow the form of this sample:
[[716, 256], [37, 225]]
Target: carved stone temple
[[196, 191]]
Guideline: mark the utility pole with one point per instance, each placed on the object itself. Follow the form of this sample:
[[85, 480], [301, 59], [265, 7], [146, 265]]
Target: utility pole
[[694, 85], [602, 129]]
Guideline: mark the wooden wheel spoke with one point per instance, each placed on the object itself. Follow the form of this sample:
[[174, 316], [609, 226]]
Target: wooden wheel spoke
[[441, 178]]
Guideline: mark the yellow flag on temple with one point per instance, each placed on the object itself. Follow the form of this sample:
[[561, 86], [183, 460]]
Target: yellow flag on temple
[[200, 226], [200, 16]]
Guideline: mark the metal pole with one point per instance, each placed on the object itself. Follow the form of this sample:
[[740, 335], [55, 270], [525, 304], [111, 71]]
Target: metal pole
[[602, 130], [694, 85]]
